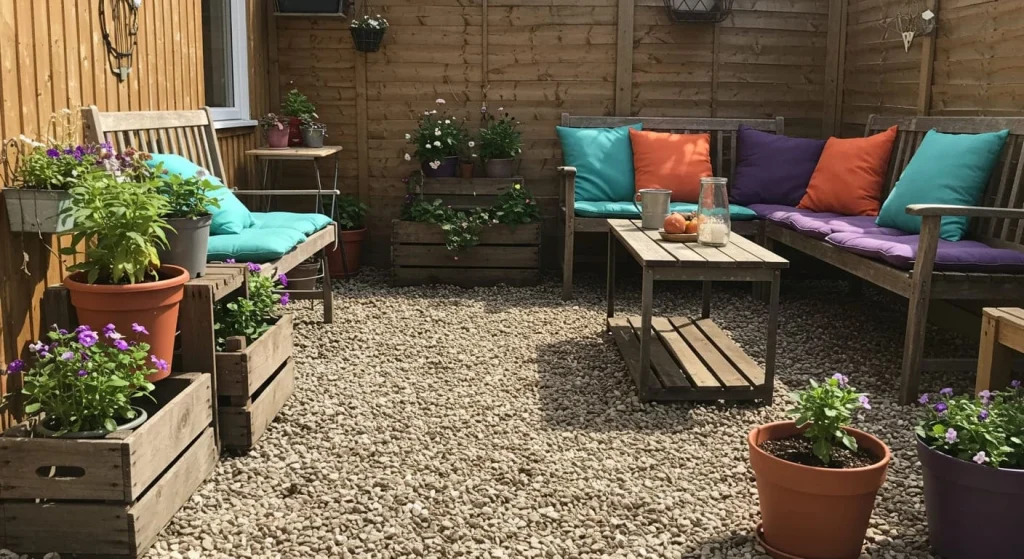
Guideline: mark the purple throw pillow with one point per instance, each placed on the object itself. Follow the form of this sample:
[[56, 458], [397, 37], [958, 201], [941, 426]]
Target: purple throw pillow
[[772, 169]]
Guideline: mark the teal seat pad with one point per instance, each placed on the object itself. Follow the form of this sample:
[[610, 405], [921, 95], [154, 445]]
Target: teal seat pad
[[628, 210], [307, 224], [253, 245], [231, 217]]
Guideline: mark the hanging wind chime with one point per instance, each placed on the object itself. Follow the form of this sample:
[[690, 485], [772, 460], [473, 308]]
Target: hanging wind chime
[[120, 33]]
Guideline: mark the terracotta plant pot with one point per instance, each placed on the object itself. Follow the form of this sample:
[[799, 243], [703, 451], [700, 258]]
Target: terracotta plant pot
[[500, 168], [466, 170], [152, 304], [973, 511], [815, 513], [277, 138], [449, 168], [294, 132], [353, 243], [303, 276]]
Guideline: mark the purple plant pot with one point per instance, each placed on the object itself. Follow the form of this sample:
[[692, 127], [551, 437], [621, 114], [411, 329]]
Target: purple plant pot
[[973, 511], [449, 168]]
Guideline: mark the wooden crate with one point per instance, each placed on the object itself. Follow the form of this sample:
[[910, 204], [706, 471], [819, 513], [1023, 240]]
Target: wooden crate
[[108, 497], [253, 383], [505, 254]]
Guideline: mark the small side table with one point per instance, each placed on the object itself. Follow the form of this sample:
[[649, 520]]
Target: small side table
[[267, 157], [1002, 335]]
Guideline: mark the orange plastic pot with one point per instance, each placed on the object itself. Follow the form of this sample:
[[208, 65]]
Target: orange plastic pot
[[815, 513], [353, 243], [152, 304]]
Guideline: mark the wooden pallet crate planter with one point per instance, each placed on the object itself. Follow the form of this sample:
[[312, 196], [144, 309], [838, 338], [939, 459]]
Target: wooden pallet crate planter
[[253, 383], [108, 497]]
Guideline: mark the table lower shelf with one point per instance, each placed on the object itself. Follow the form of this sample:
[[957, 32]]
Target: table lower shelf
[[690, 360]]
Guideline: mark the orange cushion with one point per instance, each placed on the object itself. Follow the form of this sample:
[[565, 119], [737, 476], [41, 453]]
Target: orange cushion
[[848, 178], [673, 161]]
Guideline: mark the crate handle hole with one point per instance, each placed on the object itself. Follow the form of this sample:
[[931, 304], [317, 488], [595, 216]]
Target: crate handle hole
[[60, 472]]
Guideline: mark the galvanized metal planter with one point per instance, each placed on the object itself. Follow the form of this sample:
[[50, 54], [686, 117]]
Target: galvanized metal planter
[[38, 211]]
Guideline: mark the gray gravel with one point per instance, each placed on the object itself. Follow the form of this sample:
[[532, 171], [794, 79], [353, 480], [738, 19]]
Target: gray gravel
[[441, 422]]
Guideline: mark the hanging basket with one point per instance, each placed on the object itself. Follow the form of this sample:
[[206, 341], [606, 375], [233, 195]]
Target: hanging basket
[[698, 11], [367, 40]]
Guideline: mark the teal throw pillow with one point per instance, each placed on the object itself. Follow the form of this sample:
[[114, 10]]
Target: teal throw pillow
[[603, 158], [947, 169], [231, 217]]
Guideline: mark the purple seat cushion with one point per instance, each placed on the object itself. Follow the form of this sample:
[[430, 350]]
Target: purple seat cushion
[[819, 224], [959, 256], [772, 169]]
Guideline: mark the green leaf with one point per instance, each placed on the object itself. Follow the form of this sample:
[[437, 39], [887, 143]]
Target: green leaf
[[32, 408], [110, 424], [823, 450]]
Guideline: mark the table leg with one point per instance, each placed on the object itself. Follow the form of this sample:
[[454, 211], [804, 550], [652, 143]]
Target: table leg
[[266, 173], [645, 333], [611, 275], [705, 308], [773, 327], [319, 208]]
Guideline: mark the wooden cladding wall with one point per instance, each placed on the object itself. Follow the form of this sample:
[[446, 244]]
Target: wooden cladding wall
[[538, 60]]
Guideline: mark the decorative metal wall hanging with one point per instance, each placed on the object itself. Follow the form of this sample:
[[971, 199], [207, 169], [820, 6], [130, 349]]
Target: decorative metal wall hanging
[[698, 11], [120, 32]]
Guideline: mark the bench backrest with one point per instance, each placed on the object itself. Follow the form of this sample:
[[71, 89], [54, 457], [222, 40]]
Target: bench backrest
[[189, 134], [722, 130], [1004, 189]]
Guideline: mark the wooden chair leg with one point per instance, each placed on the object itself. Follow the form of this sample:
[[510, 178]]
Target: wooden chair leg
[[917, 314], [567, 259], [328, 292], [994, 359]]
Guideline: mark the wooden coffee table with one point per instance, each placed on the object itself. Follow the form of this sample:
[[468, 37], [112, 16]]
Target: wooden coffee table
[[679, 358]]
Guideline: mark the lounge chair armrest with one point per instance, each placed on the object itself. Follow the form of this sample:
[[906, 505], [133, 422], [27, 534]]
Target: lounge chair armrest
[[966, 211]]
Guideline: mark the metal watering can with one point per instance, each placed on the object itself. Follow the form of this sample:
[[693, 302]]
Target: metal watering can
[[653, 206]]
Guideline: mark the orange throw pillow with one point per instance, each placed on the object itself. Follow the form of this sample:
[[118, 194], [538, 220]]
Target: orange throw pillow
[[849, 176], [673, 161]]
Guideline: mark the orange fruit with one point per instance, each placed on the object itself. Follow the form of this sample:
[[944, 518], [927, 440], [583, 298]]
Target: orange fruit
[[675, 223]]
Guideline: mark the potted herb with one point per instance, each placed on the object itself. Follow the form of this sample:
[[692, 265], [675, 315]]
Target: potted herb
[[251, 317], [82, 384], [276, 128], [972, 457], [297, 107], [119, 228], [438, 139], [348, 214], [313, 133], [368, 32], [500, 144], [467, 159], [189, 218], [816, 477]]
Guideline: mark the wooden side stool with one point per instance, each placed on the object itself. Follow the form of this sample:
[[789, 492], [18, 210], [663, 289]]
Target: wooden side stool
[[1002, 334]]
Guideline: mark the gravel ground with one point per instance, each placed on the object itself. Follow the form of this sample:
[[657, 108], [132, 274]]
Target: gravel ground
[[441, 422]]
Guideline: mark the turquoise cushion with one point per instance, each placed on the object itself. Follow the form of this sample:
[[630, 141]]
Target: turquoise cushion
[[627, 209], [231, 217], [307, 224], [946, 169], [603, 158], [253, 245]]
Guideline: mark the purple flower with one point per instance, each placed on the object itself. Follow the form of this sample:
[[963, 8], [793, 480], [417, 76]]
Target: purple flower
[[986, 397], [283, 279], [88, 338], [923, 400], [109, 328], [67, 356], [81, 329], [37, 347], [980, 458], [159, 363], [982, 415], [864, 402], [15, 367], [82, 372], [285, 298], [254, 267], [121, 345], [843, 380], [62, 332], [138, 329], [229, 261], [1015, 384], [941, 408], [52, 153], [946, 391], [951, 435]]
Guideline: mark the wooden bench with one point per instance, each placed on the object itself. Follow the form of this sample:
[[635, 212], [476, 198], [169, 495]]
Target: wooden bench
[[1002, 334], [996, 222], [191, 134], [723, 161]]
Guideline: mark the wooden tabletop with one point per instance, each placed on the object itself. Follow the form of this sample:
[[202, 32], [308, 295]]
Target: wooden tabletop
[[301, 153], [648, 248]]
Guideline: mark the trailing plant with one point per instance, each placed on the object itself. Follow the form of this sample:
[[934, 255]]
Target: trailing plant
[[515, 206], [462, 227], [376, 22], [438, 135], [825, 409], [310, 124], [987, 429], [250, 317], [348, 212], [500, 138], [271, 120], [86, 380], [187, 197], [298, 106]]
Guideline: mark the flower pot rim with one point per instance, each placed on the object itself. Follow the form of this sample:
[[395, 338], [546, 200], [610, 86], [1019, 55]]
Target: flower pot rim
[[881, 464], [207, 217], [360, 230], [141, 417], [179, 276], [944, 456]]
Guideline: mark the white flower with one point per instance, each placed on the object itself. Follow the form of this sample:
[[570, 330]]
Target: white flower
[[446, 121], [30, 141], [202, 174], [437, 144], [428, 145], [408, 136], [501, 109], [440, 101], [138, 3], [437, 131], [408, 157], [433, 112], [426, 112], [471, 143], [435, 164]]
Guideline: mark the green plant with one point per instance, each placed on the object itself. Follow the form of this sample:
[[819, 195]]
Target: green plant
[[250, 317], [438, 135], [298, 105], [987, 429], [187, 197], [84, 383], [825, 409], [119, 224], [515, 206], [348, 212], [467, 152], [369, 22], [271, 120], [500, 139]]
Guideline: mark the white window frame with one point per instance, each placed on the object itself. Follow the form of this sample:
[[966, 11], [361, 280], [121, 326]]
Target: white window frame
[[237, 115]]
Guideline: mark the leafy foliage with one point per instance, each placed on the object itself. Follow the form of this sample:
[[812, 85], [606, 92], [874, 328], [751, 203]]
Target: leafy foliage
[[348, 212], [271, 120], [438, 135], [987, 429], [500, 139], [298, 105], [515, 206], [825, 409], [86, 380], [369, 22], [187, 197], [250, 317]]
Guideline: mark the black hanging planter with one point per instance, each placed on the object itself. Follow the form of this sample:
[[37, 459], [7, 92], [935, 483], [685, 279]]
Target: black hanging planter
[[698, 11], [367, 39]]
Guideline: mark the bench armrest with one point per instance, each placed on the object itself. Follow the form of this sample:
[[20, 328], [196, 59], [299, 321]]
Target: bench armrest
[[966, 211], [567, 192], [567, 170], [280, 192]]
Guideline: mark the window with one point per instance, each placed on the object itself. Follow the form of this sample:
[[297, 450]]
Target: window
[[225, 61]]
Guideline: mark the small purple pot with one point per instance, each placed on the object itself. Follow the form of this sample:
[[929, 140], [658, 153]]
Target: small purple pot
[[449, 168], [973, 511]]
